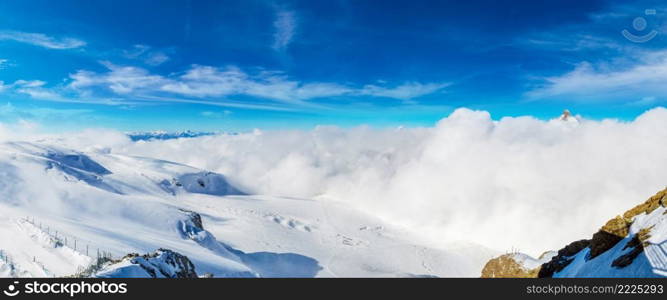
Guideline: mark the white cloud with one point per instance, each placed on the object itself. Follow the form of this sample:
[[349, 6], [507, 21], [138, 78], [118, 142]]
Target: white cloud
[[202, 81], [608, 81], [41, 94], [33, 88], [284, 29], [29, 83], [216, 114], [146, 54], [206, 81], [136, 51], [573, 42], [156, 58], [17, 130], [42, 40], [518, 182], [119, 79], [405, 91], [3, 63]]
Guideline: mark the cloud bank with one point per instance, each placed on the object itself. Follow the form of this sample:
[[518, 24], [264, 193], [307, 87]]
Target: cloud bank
[[514, 183]]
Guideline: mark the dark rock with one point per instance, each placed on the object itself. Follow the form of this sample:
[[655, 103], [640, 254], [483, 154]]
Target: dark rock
[[194, 217], [627, 259], [564, 258], [603, 241]]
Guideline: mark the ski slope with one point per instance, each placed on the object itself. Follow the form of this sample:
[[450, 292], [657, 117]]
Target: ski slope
[[60, 209]]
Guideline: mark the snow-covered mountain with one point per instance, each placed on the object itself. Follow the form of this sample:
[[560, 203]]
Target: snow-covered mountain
[[630, 245], [95, 213]]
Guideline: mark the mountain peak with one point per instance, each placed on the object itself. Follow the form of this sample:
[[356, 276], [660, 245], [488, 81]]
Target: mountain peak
[[567, 116]]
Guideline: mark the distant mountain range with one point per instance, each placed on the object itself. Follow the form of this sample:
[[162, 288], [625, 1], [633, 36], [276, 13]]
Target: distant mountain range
[[165, 135]]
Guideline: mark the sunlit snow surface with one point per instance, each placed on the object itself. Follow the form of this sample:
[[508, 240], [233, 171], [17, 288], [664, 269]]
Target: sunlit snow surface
[[118, 204]]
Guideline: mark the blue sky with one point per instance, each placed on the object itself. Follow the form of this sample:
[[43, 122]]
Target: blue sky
[[237, 65]]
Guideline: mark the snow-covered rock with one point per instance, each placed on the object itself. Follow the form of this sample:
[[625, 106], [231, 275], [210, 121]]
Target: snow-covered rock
[[162, 263], [566, 120], [202, 183], [567, 117]]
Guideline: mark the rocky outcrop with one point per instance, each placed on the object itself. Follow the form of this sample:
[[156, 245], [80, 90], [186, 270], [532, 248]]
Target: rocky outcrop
[[162, 263], [611, 233], [192, 224], [618, 228], [607, 237], [192, 228], [167, 263], [637, 244], [507, 266], [562, 259], [201, 183]]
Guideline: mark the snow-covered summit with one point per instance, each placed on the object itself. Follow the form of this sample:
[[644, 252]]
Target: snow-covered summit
[[568, 118]]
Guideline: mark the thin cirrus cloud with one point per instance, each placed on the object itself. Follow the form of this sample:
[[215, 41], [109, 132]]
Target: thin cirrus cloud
[[606, 81], [41, 40], [284, 29], [36, 89], [406, 91], [119, 79], [206, 81], [146, 54]]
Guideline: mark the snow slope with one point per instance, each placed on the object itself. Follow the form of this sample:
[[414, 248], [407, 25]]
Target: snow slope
[[60, 209]]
